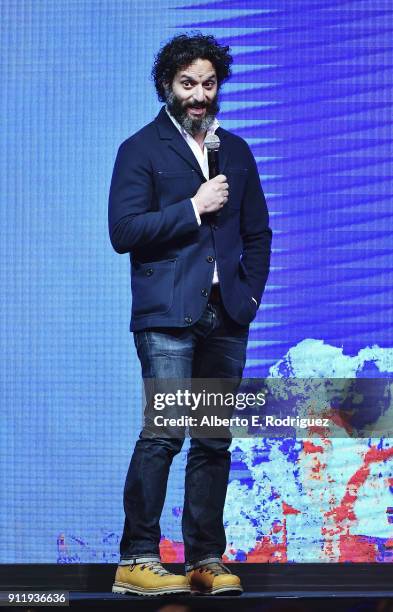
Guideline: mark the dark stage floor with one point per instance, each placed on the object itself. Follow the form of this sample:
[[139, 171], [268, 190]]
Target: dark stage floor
[[299, 601], [308, 587], [306, 601]]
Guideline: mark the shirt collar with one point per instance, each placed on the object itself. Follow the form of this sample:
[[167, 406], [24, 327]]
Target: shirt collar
[[184, 132]]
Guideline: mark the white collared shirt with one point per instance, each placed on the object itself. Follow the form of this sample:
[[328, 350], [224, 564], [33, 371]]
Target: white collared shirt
[[203, 162]]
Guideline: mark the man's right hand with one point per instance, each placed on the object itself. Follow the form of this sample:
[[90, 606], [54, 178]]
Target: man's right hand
[[212, 195]]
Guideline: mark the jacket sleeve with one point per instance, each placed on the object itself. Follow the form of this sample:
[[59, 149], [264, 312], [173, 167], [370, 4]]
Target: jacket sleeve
[[132, 222], [255, 231]]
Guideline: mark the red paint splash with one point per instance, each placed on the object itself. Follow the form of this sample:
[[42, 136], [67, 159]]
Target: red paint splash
[[351, 548], [171, 552], [287, 509], [310, 447], [357, 549]]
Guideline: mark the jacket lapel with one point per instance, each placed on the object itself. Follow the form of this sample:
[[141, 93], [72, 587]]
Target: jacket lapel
[[223, 152], [175, 140], [177, 143], [180, 146]]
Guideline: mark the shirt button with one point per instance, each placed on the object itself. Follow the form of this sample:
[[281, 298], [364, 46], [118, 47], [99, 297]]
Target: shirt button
[[188, 319], [149, 271], [209, 259], [204, 292]]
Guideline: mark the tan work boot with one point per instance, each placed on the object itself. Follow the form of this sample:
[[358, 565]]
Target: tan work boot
[[214, 579], [149, 578]]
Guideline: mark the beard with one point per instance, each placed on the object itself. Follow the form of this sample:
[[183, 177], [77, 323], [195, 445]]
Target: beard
[[192, 125]]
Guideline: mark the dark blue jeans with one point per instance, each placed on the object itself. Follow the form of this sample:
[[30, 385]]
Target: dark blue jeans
[[214, 347]]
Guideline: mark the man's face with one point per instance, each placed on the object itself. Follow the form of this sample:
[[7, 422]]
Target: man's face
[[192, 100]]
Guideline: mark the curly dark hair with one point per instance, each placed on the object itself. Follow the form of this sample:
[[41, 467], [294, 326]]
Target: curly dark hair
[[182, 51]]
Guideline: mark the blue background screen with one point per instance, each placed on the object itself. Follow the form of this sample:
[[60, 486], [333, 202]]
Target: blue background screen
[[312, 94]]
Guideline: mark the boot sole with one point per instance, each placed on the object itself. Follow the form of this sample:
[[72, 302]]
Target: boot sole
[[123, 589], [220, 591]]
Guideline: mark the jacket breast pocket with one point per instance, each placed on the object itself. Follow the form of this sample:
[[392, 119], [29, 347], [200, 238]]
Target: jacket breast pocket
[[237, 178], [176, 186], [152, 286]]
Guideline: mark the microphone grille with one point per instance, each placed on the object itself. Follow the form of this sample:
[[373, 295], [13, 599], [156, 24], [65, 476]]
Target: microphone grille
[[212, 142]]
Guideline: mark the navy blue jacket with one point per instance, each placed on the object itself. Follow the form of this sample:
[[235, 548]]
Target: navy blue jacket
[[151, 217]]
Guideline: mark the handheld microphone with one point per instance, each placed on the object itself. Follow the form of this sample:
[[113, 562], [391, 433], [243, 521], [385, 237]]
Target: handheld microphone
[[212, 144]]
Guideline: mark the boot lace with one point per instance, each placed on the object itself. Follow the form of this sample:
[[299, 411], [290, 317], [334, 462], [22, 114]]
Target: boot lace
[[215, 568], [155, 567]]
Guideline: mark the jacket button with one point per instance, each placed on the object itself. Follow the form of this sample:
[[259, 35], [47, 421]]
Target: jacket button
[[215, 227], [188, 319], [204, 292], [209, 259], [149, 271]]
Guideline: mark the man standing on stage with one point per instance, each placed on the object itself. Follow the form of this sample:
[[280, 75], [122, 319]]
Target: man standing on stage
[[200, 253]]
